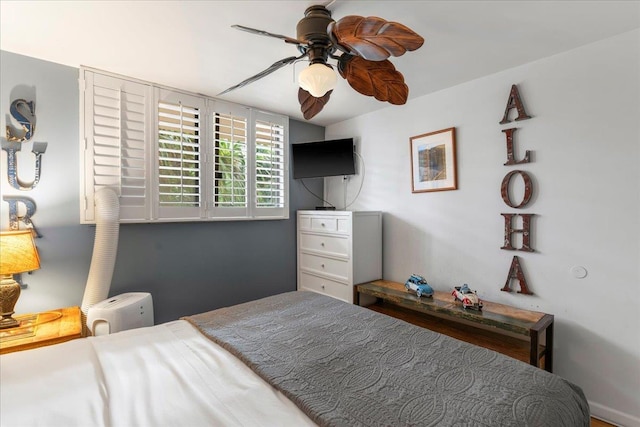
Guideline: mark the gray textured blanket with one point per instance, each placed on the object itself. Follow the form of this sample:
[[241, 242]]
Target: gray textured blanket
[[345, 365]]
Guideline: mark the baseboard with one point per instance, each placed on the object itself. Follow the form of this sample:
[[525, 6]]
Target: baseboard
[[612, 416]]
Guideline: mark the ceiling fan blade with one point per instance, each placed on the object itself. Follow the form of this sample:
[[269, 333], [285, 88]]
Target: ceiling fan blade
[[275, 66], [265, 33], [379, 79], [310, 105], [373, 38]]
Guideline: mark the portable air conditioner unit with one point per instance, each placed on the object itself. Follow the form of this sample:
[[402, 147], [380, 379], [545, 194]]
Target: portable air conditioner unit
[[126, 311]]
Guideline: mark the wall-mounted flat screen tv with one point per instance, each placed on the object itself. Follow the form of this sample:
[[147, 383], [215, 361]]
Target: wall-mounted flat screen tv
[[323, 158]]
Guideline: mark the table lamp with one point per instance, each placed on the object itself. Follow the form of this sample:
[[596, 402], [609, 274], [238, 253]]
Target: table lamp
[[18, 254]]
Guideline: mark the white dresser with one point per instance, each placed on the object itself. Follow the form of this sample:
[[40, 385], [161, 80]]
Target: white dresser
[[337, 250]]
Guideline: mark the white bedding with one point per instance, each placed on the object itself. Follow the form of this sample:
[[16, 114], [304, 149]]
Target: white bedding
[[177, 376]]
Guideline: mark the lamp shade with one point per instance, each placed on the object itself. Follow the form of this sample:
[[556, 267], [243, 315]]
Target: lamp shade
[[318, 79], [18, 253]]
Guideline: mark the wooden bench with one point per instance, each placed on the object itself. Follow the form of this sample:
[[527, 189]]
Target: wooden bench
[[533, 329]]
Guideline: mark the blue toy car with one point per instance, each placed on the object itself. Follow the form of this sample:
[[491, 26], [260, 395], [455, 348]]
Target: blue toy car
[[419, 285]]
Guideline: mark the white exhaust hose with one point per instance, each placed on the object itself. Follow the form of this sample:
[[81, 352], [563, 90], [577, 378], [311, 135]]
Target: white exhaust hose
[[105, 249]]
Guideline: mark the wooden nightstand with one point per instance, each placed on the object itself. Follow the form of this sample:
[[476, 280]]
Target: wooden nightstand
[[42, 329]]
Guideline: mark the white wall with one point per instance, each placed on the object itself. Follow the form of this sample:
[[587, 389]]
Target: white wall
[[584, 135]]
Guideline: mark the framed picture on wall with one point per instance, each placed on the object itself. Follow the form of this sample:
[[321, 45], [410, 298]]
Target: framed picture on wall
[[433, 161]]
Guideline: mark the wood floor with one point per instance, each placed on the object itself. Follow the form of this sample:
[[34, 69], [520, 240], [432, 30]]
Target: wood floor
[[510, 346], [598, 423]]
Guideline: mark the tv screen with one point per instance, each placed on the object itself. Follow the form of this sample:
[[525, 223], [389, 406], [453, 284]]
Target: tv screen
[[323, 158]]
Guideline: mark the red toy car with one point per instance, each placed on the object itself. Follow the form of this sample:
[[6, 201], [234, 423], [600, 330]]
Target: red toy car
[[468, 297]]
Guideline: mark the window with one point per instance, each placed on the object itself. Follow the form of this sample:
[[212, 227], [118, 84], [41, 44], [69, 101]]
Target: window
[[174, 156]]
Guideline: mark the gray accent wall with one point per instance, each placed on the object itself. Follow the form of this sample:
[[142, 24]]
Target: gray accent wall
[[187, 267]]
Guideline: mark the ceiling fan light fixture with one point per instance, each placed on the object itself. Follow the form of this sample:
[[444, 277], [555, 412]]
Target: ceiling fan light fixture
[[318, 79]]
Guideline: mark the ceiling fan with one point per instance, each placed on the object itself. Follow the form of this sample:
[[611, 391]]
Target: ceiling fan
[[364, 44]]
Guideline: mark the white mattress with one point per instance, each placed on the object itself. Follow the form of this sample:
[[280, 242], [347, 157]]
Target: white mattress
[[165, 375]]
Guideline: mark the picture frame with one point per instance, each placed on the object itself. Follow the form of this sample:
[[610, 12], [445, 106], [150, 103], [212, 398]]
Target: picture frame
[[433, 161]]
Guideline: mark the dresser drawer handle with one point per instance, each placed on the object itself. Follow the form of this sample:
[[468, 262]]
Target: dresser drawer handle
[[322, 244], [322, 265], [322, 286], [322, 224]]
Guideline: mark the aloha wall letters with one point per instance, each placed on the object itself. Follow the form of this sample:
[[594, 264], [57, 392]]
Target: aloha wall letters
[[511, 219]]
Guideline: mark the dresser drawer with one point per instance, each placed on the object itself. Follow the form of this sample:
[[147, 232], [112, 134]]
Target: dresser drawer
[[325, 286], [331, 224], [335, 268], [331, 245], [328, 224], [325, 223], [318, 223]]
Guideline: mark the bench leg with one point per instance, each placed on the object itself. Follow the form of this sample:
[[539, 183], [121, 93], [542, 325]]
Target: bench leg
[[548, 351], [533, 352]]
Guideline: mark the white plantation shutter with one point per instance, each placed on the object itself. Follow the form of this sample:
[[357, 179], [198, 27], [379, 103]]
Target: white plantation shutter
[[180, 154], [115, 140], [271, 176], [230, 163], [173, 156]]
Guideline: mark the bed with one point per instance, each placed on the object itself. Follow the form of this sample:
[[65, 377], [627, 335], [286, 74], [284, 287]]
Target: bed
[[295, 359]]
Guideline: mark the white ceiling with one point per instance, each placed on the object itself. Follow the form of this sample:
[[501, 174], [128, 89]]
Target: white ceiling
[[190, 45]]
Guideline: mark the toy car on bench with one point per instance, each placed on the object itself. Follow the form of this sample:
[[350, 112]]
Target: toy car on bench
[[419, 285], [468, 297]]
